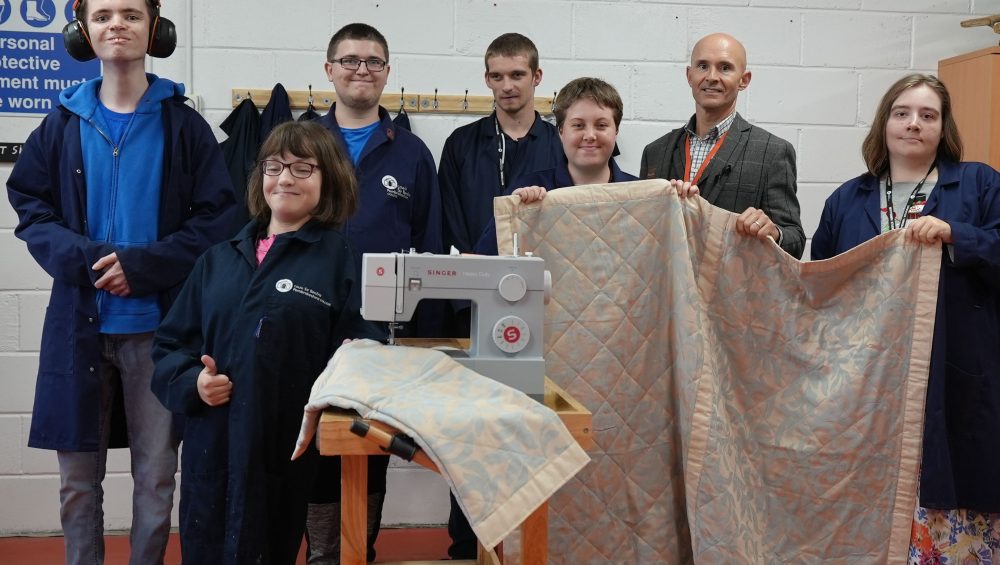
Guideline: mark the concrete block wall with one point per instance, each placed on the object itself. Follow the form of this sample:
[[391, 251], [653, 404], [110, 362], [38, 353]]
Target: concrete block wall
[[819, 68]]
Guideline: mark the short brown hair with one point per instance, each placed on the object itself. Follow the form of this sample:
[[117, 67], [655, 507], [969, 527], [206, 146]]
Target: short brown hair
[[81, 12], [356, 31], [338, 198], [874, 149], [512, 45], [595, 89]]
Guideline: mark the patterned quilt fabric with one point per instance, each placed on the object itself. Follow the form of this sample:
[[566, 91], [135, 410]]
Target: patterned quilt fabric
[[502, 453], [748, 407]]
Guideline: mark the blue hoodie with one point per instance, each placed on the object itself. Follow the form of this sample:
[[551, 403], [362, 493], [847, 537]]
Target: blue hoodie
[[123, 181]]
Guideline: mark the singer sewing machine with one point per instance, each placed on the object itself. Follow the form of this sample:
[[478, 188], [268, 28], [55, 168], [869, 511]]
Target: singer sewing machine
[[508, 297]]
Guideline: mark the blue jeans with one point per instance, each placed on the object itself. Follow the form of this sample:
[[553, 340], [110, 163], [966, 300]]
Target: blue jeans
[[126, 362]]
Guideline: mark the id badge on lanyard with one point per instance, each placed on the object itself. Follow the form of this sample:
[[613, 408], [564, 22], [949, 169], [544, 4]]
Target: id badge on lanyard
[[708, 158]]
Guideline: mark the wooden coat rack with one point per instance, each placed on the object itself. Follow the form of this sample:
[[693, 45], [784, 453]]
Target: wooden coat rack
[[420, 103]]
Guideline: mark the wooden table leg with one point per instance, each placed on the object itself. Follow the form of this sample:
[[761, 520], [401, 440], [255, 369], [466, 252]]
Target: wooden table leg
[[535, 537], [491, 557], [353, 509]]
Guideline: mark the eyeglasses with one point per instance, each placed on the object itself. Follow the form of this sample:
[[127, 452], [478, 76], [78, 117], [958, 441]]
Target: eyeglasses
[[299, 169], [353, 63]]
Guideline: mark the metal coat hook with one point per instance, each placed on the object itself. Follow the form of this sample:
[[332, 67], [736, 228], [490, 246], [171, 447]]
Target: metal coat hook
[[435, 99], [552, 105], [402, 102], [465, 101], [310, 99]]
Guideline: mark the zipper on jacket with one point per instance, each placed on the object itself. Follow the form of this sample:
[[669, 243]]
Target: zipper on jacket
[[115, 150]]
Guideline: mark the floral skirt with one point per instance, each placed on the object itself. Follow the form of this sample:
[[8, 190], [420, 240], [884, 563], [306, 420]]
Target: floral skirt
[[954, 537]]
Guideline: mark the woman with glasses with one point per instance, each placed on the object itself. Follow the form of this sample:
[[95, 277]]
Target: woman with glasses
[[916, 181], [254, 325]]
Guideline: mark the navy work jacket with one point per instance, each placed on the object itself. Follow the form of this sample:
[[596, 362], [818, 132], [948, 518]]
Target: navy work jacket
[[962, 414], [48, 190], [400, 203], [271, 329], [470, 173], [550, 179]]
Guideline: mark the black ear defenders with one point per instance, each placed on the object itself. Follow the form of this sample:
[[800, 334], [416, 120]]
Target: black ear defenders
[[77, 41], [162, 35]]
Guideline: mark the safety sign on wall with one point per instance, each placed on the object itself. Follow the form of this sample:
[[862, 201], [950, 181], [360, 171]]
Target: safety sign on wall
[[34, 66]]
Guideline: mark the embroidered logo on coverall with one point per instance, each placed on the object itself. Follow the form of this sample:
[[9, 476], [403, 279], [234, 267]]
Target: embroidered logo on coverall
[[286, 285], [393, 189]]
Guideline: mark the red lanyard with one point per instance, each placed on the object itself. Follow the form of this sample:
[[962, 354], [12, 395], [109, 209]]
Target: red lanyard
[[701, 169]]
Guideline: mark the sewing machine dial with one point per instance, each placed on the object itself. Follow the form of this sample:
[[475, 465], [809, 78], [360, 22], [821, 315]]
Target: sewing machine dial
[[511, 334], [513, 287]]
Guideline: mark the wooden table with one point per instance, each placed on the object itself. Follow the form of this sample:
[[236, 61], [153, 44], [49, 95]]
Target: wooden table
[[335, 438]]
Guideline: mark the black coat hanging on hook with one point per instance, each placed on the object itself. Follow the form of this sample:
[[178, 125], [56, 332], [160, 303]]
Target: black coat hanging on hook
[[240, 151], [402, 119], [278, 109], [310, 113]]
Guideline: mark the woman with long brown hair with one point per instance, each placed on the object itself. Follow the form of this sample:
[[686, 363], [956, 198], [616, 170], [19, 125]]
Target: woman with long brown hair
[[917, 181]]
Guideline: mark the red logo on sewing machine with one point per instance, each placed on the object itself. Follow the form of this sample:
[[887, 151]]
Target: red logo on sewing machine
[[380, 271], [511, 334]]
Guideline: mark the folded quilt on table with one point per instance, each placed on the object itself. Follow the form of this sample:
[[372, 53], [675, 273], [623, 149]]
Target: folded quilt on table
[[502, 453], [748, 407]]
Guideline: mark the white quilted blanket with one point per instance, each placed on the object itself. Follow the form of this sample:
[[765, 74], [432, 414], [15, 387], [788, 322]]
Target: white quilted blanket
[[748, 408], [502, 453]]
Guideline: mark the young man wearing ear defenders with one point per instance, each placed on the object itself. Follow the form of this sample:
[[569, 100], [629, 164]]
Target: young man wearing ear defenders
[[117, 193]]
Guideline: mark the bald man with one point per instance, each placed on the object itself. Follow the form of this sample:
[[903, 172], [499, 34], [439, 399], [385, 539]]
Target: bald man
[[731, 163]]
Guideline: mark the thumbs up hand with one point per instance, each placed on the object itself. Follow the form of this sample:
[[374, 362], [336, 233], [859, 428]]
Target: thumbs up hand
[[213, 388]]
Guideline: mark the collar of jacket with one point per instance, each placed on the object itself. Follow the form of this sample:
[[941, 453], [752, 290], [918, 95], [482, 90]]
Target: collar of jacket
[[385, 122], [245, 242], [488, 128], [564, 179], [311, 232], [739, 124], [948, 176]]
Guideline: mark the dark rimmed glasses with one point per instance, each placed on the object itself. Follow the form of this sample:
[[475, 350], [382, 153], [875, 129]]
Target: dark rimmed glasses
[[299, 169], [354, 63]]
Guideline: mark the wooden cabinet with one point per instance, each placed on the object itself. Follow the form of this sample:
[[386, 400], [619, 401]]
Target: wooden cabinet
[[973, 80]]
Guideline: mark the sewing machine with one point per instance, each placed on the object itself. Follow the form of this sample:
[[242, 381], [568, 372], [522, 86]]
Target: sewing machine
[[508, 295]]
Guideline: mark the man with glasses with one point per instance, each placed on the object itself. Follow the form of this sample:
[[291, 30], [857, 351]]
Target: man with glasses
[[400, 208], [400, 202]]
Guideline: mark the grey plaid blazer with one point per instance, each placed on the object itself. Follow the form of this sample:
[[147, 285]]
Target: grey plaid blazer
[[752, 168]]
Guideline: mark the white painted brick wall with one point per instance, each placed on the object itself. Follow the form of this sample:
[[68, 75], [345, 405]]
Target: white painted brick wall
[[819, 68], [9, 321], [803, 96], [781, 45], [841, 40], [18, 376]]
